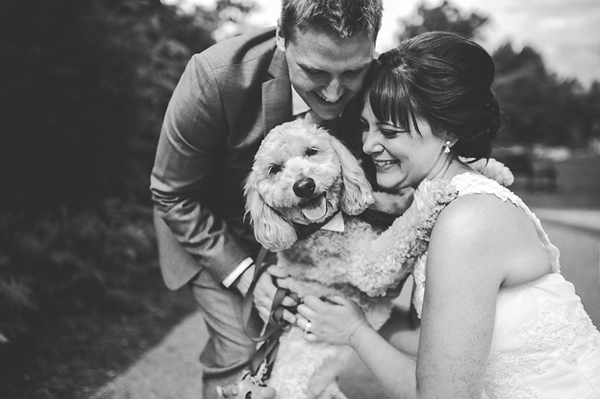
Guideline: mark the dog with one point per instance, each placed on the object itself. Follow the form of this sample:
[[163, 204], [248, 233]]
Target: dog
[[304, 176]]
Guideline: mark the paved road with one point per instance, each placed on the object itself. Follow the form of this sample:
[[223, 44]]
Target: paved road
[[171, 370]]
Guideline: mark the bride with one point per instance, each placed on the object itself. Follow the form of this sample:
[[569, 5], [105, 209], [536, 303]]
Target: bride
[[497, 319]]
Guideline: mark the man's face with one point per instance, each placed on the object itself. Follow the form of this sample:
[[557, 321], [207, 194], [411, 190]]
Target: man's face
[[327, 71]]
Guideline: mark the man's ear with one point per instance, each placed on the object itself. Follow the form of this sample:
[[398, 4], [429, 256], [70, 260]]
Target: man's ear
[[280, 40]]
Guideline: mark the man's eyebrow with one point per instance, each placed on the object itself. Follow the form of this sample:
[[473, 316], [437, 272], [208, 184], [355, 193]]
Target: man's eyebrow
[[355, 69], [302, 65], [361, 67]]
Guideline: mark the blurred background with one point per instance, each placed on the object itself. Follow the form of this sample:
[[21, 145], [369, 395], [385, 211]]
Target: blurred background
[[83, 89]]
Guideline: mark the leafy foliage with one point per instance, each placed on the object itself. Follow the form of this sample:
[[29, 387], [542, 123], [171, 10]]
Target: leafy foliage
[[85, 85], [445, 17], [59, 264], [541, 107], [64, 279]]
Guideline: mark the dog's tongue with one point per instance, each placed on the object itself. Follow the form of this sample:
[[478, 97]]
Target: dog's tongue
[[315, 209]]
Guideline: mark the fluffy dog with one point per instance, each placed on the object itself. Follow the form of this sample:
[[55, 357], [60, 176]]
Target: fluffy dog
[[301, 176]]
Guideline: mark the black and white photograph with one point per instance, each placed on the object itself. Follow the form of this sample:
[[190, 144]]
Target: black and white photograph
[[299, 199]]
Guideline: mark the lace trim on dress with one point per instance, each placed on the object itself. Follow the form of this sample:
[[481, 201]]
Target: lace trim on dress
[[553, 335]]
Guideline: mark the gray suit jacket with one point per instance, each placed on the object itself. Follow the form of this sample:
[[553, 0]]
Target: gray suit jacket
[[229, 97]]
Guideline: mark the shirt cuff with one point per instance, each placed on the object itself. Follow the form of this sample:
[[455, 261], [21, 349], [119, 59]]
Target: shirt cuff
[[241, 268]]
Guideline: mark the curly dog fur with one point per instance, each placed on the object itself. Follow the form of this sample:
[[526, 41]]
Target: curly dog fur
[[303, 175]]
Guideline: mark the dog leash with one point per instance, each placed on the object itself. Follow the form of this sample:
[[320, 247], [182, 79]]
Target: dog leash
[[276, 325], [267, 352]]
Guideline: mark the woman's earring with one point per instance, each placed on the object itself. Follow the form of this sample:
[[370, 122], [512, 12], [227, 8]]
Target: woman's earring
[[447, 147]]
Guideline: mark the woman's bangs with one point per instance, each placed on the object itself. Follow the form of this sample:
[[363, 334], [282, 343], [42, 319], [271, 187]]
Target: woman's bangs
[[390, 101]]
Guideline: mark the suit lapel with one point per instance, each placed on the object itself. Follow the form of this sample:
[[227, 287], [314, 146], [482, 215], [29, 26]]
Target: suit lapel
[[277, 94]]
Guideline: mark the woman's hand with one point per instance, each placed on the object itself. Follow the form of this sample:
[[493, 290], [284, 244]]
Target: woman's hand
[[335, 320]]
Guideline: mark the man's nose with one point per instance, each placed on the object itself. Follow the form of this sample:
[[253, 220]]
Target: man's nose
[[333, 91]]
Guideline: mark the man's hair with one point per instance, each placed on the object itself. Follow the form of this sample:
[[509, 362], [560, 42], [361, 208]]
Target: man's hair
[[343, 18]]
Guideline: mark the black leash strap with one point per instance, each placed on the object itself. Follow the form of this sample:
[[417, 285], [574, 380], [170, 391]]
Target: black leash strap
[[275, 325], [267, 352]]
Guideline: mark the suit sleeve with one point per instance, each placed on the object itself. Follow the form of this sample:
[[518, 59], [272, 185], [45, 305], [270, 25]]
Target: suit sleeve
[[193, 132]]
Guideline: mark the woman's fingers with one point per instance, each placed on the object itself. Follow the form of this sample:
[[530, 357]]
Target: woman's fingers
[[333, 319], [307, 326], [306, 311], [289, 317]]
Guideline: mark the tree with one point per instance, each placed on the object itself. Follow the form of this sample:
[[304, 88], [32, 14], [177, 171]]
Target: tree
[[520, 87], [592, 104], [231, 16], [541, 107], [84, 87], [446, 18]]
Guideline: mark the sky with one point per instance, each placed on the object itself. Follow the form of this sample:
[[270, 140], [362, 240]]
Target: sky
[[565, 32]]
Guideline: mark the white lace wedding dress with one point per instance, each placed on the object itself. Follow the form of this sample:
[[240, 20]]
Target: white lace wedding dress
[[544, 344]]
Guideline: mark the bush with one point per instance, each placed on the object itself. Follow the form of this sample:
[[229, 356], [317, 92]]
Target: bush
[[53, 265]]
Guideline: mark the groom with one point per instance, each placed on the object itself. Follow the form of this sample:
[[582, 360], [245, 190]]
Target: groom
[[229, 97]]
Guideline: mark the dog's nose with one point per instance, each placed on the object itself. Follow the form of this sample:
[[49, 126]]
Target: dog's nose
[[304, 188]]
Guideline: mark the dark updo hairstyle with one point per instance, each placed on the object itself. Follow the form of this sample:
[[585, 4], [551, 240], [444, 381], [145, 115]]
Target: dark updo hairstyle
[[444, 79]]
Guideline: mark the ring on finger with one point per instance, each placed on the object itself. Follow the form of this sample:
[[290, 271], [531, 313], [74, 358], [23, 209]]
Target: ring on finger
[[307, 327]]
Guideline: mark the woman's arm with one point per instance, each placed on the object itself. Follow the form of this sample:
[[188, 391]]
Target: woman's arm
[[465, 267], [402, 330], [340, 321]]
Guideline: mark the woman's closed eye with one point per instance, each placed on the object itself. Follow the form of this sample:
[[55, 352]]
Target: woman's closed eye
[[390, 131]]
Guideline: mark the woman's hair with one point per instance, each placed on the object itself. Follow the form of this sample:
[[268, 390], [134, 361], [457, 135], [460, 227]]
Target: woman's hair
[[444, 79], [343, 18]]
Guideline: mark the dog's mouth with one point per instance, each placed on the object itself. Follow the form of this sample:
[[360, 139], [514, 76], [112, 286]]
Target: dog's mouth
[[315, 208]]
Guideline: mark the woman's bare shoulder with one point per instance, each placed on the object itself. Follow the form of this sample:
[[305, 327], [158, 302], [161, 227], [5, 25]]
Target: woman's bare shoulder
[[486, 232], [474, 214]]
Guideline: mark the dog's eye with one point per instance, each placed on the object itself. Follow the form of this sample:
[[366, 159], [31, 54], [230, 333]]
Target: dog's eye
[[274, 169], [311, 151]]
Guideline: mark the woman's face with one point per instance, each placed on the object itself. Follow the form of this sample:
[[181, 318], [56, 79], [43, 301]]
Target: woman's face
[[403, 158]]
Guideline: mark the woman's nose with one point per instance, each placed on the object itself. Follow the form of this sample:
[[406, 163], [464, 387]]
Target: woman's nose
[[370, 143]]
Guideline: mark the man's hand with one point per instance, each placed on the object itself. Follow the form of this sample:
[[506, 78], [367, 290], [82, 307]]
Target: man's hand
[[264, 292]]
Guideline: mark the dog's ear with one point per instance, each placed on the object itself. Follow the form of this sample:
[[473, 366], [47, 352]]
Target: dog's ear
[[270, 229], [357, 193]]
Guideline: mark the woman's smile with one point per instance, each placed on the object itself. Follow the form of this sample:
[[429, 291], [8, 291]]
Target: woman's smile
[[385, 164]]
